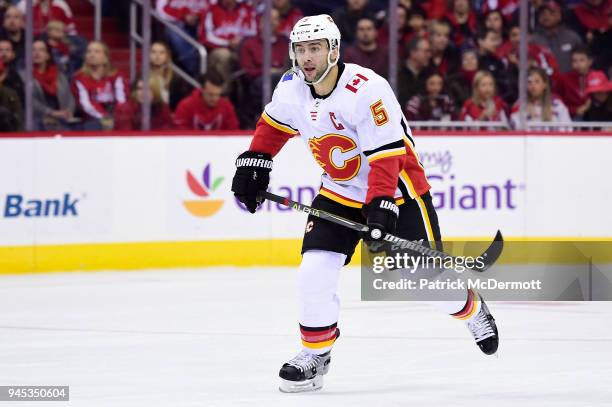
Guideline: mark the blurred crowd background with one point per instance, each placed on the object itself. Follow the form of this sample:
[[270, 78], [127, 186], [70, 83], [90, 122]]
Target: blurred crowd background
[[457, 61]]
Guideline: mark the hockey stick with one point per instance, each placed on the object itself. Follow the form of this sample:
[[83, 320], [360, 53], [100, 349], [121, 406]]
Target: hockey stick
[[489, 256]]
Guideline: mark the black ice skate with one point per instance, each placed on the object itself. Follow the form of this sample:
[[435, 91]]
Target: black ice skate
[[304, 372], [484, 330]]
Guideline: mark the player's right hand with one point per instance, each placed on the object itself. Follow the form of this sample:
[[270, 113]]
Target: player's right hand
[[381, 214], [252, 176]]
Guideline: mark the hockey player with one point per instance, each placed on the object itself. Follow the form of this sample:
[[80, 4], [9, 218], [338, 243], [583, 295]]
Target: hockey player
[[350, 119]]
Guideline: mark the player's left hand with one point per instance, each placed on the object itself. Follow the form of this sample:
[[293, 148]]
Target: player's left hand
[[381, 214]]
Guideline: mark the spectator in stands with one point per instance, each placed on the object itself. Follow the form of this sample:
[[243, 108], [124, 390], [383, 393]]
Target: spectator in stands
[[185, 14], [12, 79], [488, 43], [494, 21], [44, 11], [506, 8], [53, 103], [128, 115], [572, 87], [251, 61], [554, 35], [170, 86], [404, 34], [414, 69], [98, 87], [417, 22], [599, 88], [346, 18], [591, 18], [67, 50], [224, 26], [484, 105], [288, 14], [433, 105], [542, 105], [13, 31], [205, 109], [445, 57], [11, 110], [463, 22], [435, 9], [366, 51], [459, 85]]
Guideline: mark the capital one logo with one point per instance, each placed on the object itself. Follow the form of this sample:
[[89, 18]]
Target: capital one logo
[[205, 205]]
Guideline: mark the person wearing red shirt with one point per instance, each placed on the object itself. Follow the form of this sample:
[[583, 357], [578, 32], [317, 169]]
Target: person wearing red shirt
[[404, 33], [484, 105], [591, 18], [366, 51], [98, 87], [444, 57], [185, 14], [289, 15], [463, 22], [205, 109], [44, 11], [573, 84], [507, 8], [222, 29], [251, 61], [128, 115]]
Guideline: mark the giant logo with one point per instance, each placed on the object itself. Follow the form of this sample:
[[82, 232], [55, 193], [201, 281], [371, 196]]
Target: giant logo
[[451, 192], [330, 152], [205, 206]]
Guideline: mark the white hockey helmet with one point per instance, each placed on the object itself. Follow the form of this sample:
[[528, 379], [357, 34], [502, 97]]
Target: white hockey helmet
[[320, 27]]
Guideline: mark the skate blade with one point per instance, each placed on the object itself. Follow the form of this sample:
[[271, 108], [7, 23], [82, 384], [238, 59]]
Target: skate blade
[[288, 386]]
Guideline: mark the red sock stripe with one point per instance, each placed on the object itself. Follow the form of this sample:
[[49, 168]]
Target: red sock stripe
[[313, 336], [467, 309]]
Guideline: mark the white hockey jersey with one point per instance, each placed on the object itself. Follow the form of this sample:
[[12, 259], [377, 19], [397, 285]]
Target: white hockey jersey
[[358, 123]]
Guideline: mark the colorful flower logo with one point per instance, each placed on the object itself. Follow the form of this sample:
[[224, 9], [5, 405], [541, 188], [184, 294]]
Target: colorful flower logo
[[203, 207]]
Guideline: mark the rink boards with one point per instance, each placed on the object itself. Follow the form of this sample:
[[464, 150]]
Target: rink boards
[[87, 203]]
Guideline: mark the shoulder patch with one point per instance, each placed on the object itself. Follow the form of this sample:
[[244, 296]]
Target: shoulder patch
[[356, 82], [287, 76]]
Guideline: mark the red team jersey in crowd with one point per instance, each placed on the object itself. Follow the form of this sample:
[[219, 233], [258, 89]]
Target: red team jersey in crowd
[[97, 98], [192, 113], [357, 134], [176, 10], [58, 10], [288, 21], [220, 25], [472, 111]]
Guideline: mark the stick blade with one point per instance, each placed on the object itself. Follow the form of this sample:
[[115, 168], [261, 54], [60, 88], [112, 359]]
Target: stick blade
[[492, 253]]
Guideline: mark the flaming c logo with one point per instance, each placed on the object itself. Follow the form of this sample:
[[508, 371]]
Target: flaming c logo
[[322, 150], [203, 207]]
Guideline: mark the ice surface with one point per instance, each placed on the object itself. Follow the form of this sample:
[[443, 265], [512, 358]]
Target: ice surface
[[217, 337]]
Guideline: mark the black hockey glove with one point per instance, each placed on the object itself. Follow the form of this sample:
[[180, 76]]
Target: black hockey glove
[[252, 175], [381, 214]]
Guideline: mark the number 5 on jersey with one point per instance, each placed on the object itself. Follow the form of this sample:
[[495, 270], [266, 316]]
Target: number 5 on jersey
[[379, 113]]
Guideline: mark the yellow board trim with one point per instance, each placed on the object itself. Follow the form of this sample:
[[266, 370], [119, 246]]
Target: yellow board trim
[[244, 253], [277, 125]]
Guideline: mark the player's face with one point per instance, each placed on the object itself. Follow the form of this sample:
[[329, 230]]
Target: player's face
[[311, 57], [535, 86], [211, 94]]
